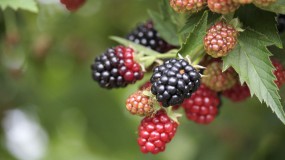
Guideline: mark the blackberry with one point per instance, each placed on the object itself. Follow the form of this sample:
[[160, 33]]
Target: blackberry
[[174, 81], [281, 23], [116, 68], [146, 35]]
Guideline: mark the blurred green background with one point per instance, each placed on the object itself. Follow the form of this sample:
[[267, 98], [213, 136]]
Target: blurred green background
[[51, 109]]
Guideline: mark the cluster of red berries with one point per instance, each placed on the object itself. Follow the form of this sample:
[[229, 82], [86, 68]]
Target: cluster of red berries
[[217, 6]]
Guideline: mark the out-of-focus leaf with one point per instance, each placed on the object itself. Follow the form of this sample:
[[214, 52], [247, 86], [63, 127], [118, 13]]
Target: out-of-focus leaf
[[266, 24], [29, 5], [277, 7]]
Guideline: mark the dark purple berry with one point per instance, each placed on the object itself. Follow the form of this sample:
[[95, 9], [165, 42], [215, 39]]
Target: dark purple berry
[[146, 35], [174, 81]]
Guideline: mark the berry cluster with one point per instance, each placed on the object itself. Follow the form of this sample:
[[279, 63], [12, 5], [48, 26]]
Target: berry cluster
[[177, 83], [170, 84], [116, 68], [72, 5], [120, 66]]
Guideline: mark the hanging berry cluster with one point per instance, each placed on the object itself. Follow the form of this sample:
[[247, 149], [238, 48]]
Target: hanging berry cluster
[[195, 84]]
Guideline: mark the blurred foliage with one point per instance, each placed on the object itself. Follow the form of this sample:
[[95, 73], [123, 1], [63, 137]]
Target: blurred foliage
[[45, 63]]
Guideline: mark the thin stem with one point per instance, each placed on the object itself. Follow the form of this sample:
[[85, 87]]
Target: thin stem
[[162, 56], [10, 20], [198, 59]]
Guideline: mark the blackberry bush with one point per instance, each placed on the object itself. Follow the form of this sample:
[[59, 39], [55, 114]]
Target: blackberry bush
[[219, 43], [219, 50]]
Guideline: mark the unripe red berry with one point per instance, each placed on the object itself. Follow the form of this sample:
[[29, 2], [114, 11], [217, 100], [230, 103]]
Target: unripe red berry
[[191, 6], [202, 106], [243, 1], [155, 132], [263, 3], [237, 93], [223, 6], [139, 104], [218, 80], [279, 73], [72, 5], [220, 39]]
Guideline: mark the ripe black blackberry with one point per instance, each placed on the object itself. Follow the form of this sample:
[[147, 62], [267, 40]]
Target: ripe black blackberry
[[116, 68], [281, 23], [146, 35], [173, 81]]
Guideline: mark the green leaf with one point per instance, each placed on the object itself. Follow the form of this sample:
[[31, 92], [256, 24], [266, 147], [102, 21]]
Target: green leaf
[[164, 24], [191, 21], [194, 19], [193, 46], [277, 7], [251, 61], [261, 21], [29, 5]]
